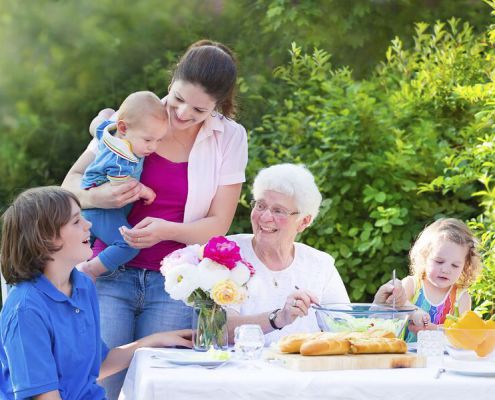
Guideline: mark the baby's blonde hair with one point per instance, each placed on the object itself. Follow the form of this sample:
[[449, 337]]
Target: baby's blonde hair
[[139, 106], [455, 231]]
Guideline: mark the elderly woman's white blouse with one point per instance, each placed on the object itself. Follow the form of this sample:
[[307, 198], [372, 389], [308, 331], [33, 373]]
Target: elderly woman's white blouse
[[311, 269]]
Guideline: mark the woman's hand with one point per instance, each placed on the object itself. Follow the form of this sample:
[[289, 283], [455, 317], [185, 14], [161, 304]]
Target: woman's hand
[[388, 291], [147, 233], [115, 196], [296, 305]]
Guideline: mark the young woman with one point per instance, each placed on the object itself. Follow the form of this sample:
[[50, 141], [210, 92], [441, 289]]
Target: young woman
[[196, 172]]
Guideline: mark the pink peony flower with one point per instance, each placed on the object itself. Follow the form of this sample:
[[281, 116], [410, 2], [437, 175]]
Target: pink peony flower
[[223, 251]]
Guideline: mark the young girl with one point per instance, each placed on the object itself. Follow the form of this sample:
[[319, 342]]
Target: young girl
[[50, 345], [444, 262]]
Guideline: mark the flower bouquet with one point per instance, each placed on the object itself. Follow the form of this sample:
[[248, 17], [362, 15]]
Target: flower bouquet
[[208, 278]]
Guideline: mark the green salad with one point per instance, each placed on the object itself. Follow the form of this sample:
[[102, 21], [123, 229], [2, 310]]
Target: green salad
[[394, 325]]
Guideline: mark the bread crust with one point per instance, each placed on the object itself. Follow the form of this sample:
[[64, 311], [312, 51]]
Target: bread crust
[[292, 343], [377, 345], [378, 332], [324, 346], [325, 343]]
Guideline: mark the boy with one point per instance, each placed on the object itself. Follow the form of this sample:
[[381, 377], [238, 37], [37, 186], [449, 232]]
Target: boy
[[50, 343]]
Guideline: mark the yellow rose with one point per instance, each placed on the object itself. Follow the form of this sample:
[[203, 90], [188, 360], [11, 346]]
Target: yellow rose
[[226, 292]]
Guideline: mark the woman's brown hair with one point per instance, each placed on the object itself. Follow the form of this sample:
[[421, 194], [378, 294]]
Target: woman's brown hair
[[211, 65], [31, 224]]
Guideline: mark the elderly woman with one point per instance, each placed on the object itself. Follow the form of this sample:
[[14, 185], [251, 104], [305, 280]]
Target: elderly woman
[[290, 276]]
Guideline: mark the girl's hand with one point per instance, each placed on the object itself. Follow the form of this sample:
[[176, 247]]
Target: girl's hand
[[115, 196], [416, 328], [296, 305], [146, 233], [420, 321]]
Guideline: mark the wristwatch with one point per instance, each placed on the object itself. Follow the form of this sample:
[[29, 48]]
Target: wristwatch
[[272, 317]]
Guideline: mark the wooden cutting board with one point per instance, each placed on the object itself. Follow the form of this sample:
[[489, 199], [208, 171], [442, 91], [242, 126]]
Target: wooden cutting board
[[349, 361]]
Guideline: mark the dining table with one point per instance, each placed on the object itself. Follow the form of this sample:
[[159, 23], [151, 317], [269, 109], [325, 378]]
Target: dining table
[[151, 375]]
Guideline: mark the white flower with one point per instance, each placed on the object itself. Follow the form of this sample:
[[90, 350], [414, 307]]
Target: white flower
[[200, 252], [187, 255], [181, 281], [240, 274], [210, 272]]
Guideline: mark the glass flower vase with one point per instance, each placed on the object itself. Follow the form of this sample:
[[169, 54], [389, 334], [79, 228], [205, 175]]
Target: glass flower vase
[[209, 326]]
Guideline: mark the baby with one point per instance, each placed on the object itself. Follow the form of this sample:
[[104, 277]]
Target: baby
[[140, 125]]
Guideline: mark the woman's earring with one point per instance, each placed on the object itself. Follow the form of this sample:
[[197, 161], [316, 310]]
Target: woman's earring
[[214, 114]]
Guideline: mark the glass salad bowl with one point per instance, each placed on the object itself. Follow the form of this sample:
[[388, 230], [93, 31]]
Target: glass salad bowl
[[362, 317]]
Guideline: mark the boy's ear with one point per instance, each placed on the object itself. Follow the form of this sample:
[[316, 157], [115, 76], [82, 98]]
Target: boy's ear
[[121, 127]]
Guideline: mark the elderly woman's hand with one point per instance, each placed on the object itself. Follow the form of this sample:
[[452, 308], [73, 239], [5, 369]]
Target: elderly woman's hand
[[115, 196], [147, 233], [296, 305], [387, 292]]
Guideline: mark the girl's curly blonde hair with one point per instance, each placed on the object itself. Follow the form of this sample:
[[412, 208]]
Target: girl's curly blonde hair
[[457, 232]]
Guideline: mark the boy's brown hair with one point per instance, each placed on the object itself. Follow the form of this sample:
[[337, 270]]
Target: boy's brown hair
[[30, 226]]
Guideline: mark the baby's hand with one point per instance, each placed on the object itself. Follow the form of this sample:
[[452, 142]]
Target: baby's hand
[[147, 194]]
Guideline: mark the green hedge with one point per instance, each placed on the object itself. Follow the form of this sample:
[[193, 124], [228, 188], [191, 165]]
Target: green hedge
[[374, 144]]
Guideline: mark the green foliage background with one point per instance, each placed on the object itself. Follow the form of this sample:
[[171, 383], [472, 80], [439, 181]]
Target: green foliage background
[[390, 109]]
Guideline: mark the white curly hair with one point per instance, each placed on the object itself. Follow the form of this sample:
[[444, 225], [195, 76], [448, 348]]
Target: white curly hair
[[293, 180]]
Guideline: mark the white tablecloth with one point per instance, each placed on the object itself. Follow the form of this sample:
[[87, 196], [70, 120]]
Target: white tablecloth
[[262, 380]]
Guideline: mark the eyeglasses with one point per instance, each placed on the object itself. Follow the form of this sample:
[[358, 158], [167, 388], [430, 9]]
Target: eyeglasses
[[277, 212]]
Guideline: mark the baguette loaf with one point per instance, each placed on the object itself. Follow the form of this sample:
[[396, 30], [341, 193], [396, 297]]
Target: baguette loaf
[[324, 346], [377, 345], [378, 332], [292, 343], [372, 333]]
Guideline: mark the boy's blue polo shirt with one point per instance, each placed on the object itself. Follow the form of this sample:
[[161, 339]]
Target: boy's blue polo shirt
[[50, 341]]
